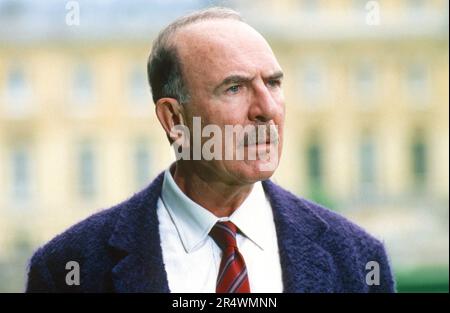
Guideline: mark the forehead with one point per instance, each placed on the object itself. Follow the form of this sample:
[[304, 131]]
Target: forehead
[[211, 50]]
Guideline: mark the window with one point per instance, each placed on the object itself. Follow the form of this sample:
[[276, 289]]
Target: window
[[365, 12], [20, 173], [367, 165], [17, 91], [82, 85], [419, 160], [314, 164], [142, 163], [359, 6], [415, 7], [138, 87], [310, 6], [313, 83], [87, 179], [417, 84], [364, 84]]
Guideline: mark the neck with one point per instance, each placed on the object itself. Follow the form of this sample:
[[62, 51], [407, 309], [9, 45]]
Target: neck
[[215, 195]]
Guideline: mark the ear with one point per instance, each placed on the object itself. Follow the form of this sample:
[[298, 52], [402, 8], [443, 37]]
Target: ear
[[170, 113]]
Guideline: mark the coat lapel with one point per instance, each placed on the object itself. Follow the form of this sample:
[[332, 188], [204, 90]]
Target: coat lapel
[[136, 243], [306, 266]]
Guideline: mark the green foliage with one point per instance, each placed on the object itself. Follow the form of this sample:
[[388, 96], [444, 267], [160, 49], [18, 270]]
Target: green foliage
[[320, 196], [423, 279]]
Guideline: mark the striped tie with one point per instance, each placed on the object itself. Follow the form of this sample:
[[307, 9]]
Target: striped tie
[[232, 276]]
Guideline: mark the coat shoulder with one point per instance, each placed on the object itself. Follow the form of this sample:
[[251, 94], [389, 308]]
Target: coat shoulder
[[91, 231], [350, 246], [337, 224], [86, 243], [83, 243], [93, 244]]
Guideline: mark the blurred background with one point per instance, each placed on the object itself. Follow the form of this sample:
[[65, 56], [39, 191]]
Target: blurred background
[[367, 117]]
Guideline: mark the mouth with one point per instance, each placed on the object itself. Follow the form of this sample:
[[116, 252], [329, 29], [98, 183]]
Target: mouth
[[257, 144], [258, 139]]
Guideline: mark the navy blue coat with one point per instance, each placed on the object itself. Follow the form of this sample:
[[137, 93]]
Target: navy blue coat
[[119, 249]]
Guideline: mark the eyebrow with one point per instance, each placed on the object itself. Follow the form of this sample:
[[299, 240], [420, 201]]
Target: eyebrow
[[276, 75], [239, 79]]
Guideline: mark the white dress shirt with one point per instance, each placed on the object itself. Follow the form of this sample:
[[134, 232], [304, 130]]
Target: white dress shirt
[[192, 258]]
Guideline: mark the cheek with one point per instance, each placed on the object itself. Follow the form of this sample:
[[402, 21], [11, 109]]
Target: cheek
[[226, 116], [280, 114], [203, 112]]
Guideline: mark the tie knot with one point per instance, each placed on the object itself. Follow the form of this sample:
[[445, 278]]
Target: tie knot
[[224, 234]]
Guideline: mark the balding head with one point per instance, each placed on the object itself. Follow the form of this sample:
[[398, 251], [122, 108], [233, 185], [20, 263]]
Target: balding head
[[164, 64], [210, 50]]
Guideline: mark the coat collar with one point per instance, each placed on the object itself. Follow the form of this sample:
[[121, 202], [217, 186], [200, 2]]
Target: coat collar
[[306, 266], [136, 238]]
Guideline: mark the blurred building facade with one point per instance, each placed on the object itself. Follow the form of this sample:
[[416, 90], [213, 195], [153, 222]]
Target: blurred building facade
[[367, 115]]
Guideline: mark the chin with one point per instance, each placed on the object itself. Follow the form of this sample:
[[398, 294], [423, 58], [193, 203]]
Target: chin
[[253, 171]]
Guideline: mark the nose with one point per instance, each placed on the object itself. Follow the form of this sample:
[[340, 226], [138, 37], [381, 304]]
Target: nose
[[263, 105]]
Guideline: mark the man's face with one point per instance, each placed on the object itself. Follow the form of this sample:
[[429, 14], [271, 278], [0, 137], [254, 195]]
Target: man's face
[[233, 79]]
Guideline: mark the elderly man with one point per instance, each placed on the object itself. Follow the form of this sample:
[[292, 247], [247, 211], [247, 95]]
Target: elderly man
[[212, 223]]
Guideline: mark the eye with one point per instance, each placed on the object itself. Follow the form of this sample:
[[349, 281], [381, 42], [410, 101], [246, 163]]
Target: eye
[[274, 82], [234, 89]]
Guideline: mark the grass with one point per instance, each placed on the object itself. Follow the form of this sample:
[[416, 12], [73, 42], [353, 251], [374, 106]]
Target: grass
[[423, 279]]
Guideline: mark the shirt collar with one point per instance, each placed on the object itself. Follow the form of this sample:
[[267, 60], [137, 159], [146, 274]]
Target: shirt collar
[[193, 222]]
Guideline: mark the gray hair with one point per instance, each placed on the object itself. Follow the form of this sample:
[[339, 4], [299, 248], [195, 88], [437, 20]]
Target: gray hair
[[164, 65]]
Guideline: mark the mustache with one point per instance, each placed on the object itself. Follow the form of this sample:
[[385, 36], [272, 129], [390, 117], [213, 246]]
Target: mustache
[[259, 135]]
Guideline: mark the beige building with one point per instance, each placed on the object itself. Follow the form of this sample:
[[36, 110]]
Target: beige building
[[367, 122]]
